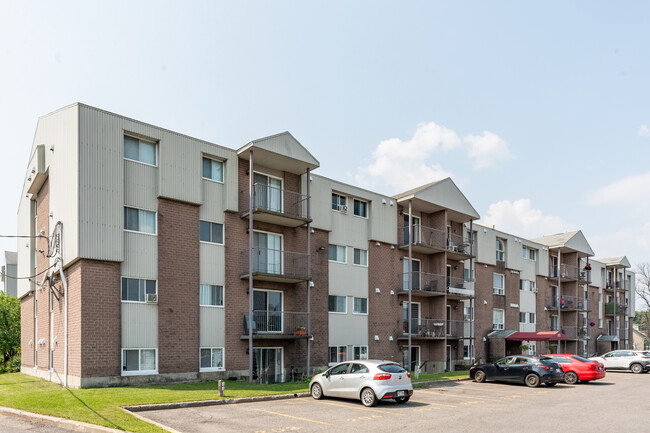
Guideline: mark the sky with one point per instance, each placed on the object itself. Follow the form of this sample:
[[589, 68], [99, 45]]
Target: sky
[[539, 111]]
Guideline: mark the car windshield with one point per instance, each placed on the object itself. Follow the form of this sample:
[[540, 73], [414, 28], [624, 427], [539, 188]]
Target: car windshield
[[391, 368], [581, 359]]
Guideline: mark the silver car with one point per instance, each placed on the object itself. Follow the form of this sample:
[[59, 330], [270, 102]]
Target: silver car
[[624, 360], [368, 380]]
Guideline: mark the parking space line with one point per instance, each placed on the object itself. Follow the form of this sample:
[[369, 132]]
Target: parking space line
[[468, 397], [294, 417], [361, 408]]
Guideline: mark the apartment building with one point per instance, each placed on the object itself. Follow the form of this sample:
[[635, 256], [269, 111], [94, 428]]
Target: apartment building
[[8, 272], [159, 257], [549, 295]]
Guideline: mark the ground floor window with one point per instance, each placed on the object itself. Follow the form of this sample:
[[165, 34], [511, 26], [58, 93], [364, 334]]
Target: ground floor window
[[360, 352], [211, 358], [466, 349], [338, 354], [139, 361], [268, 364]]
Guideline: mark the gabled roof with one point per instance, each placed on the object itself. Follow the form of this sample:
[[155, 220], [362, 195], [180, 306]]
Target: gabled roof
[[442, 194], [11, 257], [620, 261], [281, 152], [568, 242]]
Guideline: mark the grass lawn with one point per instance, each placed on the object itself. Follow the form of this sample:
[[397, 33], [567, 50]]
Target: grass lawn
[[102, 405]]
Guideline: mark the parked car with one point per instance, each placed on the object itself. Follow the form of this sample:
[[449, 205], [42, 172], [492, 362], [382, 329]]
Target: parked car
[[624, 360], [368, 380], [576, 368], [531, 370]]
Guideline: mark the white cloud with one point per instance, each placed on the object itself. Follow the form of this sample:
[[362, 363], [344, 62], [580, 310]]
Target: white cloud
[[630, 190], [520, 218], [402, 164], [487, 150], [644, 131]]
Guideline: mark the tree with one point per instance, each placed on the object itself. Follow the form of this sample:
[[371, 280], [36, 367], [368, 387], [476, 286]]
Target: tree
[[643, 294], [9, 328]]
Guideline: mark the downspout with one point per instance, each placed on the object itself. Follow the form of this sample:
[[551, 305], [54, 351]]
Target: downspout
[[472, 340], [250, 267], [410, 271], [559, 298], [309, 282], [65, 322]]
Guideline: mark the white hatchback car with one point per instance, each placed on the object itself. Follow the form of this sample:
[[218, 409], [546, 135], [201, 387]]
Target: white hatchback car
[[368, 380], [624, 360]]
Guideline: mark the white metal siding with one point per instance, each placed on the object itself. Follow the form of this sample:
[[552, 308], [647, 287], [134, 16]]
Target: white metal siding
[[140, 186], [214, 201], [140, 256], [212, 326], [139, 325], [348, 279], [212, 264]]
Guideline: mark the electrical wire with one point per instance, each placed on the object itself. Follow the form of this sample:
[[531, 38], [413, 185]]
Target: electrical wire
[[27, 278], [24, 236]]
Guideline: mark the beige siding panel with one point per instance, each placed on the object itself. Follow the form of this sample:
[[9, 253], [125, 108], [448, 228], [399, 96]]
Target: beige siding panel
[[139, 325], [212, 325], [212, 264], [348, 280], [321, 202], [140, 256], [350, 230], [140, 186], [214, 200], [383, 227], [348, 329]]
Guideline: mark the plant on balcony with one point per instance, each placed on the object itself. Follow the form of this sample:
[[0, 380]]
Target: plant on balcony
[[592, 323], [300, 330]]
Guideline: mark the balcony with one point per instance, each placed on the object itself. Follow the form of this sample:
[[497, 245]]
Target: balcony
[[276, 265], [458, 288], [568, 303], [620, 309], [569, 273], [424, 284], [427, 240], [275, 325], [459, 328], [276, 206], [576, 332], [423, 329], [458, 247], [621, 286]]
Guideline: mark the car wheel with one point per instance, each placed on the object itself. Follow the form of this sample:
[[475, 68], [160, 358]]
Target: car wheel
[[368, 397], [479, 376], [316, 391], [551, 384], [402, 400], [636, 368], [571, 378], [532, 380]]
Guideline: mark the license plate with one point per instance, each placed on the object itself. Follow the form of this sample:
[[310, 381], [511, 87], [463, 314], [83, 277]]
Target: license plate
[[401, 393]]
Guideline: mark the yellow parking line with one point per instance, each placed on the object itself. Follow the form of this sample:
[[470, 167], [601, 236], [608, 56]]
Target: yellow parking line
[[361, 408], [294, 417]]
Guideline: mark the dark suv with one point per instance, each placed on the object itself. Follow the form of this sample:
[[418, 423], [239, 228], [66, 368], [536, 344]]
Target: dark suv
[[531, 370]]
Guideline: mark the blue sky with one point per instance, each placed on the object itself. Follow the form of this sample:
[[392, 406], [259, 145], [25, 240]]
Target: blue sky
[[540, 112]]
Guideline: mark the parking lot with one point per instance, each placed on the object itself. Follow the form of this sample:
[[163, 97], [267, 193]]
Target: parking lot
[[620, 402]]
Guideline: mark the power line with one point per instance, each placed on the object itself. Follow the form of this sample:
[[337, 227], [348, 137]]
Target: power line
[[27, 278]]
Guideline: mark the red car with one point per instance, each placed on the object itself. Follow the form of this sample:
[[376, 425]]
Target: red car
[[576, 368]]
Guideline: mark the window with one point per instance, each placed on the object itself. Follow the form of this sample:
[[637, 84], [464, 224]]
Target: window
[[336, 304], [531, 317], [498, 317], [336, 253], [339, 203], [210, 295], [524, 252], [522, 285], [527, 285], [522, 317], [139, 361], [360, 352], [532, 254], [211, 232], [360, 257], [466, 349], [553, 323], [360, 306], [211, 358], [338, 354], [268, 192], [139, 220], [498, 284], [360, 208], [501, 250], [139, 150], [135, 290], [468, 313], [212, 169]]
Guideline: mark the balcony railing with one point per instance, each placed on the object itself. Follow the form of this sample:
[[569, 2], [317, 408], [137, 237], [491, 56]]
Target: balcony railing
[[568, 303], [280, 205], [569, 272], [576, 332], [459, 328], [277, 323], [620, 285], [424, 328], [422, 235], [459, 245], [458, 287], [620, 309], [423, 282], [276, 265]]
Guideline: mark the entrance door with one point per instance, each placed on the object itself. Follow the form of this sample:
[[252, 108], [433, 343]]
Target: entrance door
[[269, 253], [553, 266], [448, 319], [448, 279], [415, 317], [416, 274], [415, 357], [416, 229], [267, 306], [268, 192], [267, 364], [448, 359]]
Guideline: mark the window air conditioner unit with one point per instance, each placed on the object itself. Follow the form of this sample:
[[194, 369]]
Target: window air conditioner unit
[[343, 208], [151, 298]]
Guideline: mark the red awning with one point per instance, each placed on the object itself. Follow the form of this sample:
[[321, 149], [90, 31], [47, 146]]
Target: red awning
[[537, 336]]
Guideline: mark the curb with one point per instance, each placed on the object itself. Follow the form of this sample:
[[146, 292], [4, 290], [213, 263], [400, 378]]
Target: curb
[[58, 422], [430, 383], [163, 406]]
